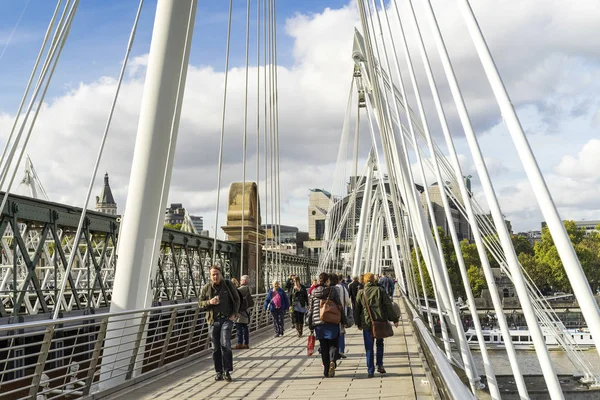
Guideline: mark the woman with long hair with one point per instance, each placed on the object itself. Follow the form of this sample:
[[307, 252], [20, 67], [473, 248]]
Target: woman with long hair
[[327, 332], [299, 301]]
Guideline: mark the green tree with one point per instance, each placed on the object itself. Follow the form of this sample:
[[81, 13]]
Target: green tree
[[548, 259], [537, 272], [476, 280], [173, 226], [521, 245]]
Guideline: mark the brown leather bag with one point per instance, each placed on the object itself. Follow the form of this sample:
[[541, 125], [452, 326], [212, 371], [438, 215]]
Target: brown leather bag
[[329, 312], [379, 329]]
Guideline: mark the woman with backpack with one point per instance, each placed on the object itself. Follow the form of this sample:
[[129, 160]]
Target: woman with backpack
[[277, 302], [373, 311], [299, 300], [323, 318]]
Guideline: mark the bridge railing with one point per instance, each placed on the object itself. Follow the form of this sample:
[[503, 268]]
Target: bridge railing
[[62, 358], [449, 384]]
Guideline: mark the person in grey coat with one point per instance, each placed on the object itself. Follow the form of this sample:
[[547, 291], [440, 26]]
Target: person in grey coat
[[243, 318]]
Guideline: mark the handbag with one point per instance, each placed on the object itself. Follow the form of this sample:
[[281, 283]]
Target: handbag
[[379, 329], [329, 312], [349, 317], [310, 346]]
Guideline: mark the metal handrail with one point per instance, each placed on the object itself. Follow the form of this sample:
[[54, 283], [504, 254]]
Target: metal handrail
[[48, 366], [452, 383]]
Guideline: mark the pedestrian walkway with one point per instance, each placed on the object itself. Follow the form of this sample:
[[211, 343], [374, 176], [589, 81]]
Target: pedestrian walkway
[[278, 368]]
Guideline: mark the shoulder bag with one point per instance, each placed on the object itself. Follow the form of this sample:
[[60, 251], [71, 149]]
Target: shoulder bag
[[329, 312], [379, 329]]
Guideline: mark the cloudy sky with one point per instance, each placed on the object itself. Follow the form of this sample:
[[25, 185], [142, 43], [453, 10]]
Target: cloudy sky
[[546, 51]]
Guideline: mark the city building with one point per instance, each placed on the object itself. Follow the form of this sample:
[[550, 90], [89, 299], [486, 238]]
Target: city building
[[532, 236], [285, 239], [105, 203], [175, 214], [461, 224], [588, 226], [198, 223]]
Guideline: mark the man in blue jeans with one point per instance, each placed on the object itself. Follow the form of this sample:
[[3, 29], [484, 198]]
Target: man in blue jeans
[[220, 300]]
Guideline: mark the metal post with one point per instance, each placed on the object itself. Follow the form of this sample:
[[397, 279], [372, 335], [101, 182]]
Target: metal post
[[188, 346], [95, 356], [136, 346], [152, 160], [168, 337], [41, 362]]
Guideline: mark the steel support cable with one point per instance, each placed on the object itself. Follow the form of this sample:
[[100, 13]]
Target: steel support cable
[[258, 210], [223, 114], [550, 377], [465, 350], [245, 136], [463, 271], [99, 156], [573, 269], [48, 61], [31, 77], [439, 266], [274, 262], [276, 122], [429, 265], [544, 312], [343, 142], [385, 141], [267, 268], [434, 259]]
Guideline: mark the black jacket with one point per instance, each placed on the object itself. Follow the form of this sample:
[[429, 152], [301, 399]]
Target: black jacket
[[353, 289]]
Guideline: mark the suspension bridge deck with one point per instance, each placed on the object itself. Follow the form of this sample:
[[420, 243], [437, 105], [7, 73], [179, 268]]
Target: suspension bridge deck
[[278, 368]]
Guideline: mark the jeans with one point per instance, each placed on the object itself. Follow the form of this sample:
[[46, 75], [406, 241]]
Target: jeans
[[243, 333], [278, 320], [368, 339], [328, 352], [220, 336], [342, 343]]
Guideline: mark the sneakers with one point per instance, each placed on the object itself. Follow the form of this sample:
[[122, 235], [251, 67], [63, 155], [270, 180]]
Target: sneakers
[[228, 377], [219, 376], [331, 369], [370, 375], [381, 370]]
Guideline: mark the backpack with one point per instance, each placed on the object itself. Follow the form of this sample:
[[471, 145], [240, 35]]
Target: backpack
[[246, 302]]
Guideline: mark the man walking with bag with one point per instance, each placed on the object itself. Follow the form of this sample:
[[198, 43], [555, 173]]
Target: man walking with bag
[[373, 311], [221, 301]]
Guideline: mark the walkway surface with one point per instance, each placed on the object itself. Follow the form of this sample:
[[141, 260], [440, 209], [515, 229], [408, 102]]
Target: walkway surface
[[278, 368]]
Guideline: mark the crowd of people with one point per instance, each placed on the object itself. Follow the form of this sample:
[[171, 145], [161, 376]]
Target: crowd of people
[[330, 306]]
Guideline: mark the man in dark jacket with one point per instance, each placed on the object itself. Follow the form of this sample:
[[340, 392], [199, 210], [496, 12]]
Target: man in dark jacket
[[221, 301], [387, 284], [373, 301], [353, 289]]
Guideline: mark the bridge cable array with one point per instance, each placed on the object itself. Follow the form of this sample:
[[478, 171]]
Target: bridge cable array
[[385, 100]]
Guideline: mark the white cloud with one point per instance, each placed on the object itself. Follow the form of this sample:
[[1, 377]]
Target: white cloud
[[542, 49], [586, 165]]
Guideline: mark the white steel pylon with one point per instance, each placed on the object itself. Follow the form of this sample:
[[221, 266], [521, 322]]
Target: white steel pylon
[[31, 185]]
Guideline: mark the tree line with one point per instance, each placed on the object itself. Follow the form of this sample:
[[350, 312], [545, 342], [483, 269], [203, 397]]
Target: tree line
[[540, 260]]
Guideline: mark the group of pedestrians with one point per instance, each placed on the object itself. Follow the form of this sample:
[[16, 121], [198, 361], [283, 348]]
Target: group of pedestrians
[[331, 305]]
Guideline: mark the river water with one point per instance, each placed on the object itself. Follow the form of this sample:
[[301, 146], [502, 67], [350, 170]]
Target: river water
[[529, 364]]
